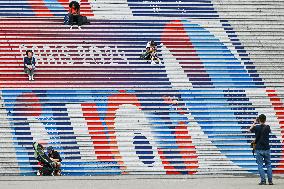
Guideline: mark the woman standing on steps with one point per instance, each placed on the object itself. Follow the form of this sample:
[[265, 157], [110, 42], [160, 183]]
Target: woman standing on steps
[[29, 64], [74, 14]]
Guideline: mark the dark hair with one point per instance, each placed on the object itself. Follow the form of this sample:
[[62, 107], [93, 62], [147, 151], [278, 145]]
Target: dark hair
[[27, 52], [152, 42], [262, 118], [75, 3]]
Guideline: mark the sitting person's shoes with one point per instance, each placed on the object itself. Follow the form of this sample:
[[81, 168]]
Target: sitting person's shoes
[[262, 183], [79, 27]]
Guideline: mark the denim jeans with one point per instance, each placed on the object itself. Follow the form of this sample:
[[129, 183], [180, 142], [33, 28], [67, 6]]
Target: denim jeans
[[263, 156]]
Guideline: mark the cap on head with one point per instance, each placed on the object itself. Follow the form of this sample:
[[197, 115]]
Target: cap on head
[[49, 148]]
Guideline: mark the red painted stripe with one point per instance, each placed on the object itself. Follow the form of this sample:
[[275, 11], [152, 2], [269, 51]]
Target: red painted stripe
[[114, 101], [184, 141], [109, 150], [28, 104], [176, 39], [40, 4], [278, 107], [87, 8]]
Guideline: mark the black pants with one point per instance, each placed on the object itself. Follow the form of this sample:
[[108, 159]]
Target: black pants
[[46, 169], [75, 18]]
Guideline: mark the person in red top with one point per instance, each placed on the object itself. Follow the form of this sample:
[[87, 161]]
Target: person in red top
[[74, 14]]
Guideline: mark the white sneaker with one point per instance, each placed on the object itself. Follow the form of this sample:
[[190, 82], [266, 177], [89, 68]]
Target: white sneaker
[[153, 62], [30, 78], [33, 78], [71, 27], [79, 27]]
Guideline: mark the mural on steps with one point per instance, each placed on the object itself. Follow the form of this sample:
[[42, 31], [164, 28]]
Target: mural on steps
[[109, 112]]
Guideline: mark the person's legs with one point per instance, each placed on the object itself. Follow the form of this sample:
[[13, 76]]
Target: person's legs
[[155, 57], [58, 169], [152, 58], [76, 19], [159, 60], [32, 71], [29, 74], [79, 20], [26, 70], [259, 161], [267, 162], [71, 19], [147, 56]]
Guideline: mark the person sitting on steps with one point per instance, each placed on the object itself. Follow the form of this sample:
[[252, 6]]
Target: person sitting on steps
[[29, 64], [74, 14], [151, 49], [55, 157], [48, 166]]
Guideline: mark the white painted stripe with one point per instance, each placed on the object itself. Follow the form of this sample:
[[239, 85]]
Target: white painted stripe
[[141, 123], [80, 128], [6, 144], [176, 75]]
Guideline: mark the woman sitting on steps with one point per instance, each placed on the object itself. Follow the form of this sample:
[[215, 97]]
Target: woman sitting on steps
[[29, 64]]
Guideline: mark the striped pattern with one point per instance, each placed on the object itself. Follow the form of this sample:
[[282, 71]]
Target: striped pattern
[[109, 112]]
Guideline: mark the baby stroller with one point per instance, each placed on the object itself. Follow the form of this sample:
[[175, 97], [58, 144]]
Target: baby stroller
[[47, 166]]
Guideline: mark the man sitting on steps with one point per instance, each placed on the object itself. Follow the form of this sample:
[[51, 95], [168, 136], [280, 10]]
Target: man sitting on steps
[[74, 14], [55, 157]]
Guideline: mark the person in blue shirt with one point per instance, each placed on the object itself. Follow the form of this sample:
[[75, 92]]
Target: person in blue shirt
[[262, 148], [29, 64]]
